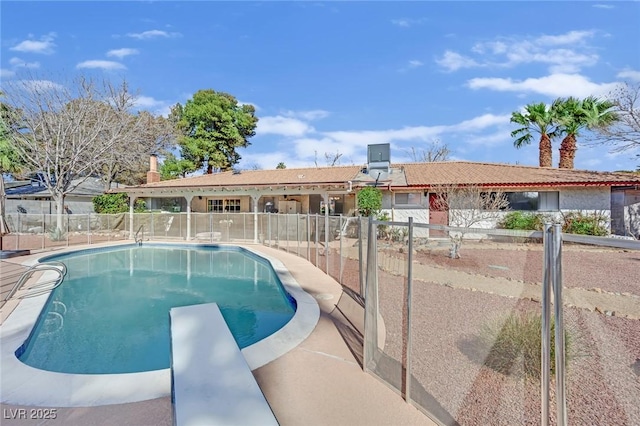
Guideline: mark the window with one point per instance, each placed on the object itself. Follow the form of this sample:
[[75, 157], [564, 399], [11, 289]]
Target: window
[[407, 198], [226, 205], [534, 201], [549, 201], [215, 206]]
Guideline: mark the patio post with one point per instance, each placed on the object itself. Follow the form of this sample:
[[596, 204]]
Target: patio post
[[132, 201], [188, 198], [326, 231], [255, 198]]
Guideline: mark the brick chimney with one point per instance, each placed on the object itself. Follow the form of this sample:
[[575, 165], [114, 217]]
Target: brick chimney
[[153, 175]]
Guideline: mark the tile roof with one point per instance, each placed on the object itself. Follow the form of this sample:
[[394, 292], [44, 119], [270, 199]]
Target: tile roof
[[306, 176], [493, 174], [402, 175]]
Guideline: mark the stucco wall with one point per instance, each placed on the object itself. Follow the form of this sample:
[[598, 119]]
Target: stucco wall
[[592, 199]]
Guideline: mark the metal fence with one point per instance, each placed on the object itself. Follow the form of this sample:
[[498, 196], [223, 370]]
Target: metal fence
[[472, 340], [481, 340]]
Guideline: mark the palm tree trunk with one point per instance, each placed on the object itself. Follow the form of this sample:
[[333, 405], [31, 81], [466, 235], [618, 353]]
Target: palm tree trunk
[[567, 152], [545, 151]]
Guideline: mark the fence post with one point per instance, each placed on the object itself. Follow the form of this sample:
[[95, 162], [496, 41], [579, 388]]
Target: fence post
[[407, 377], [561, 400], [68, 231], [316, 242], [340, 252], [298, 233], [360, 258], [88, 228], [371, 299], [547, 279], [44, 229], [308, 237]]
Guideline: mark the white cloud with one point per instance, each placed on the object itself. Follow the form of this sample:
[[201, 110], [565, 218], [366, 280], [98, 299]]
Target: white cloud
[[414, 63], [563, 53], [152, 105], [453, 61], [555, 85], [407, 22], [280, 125], [146, 35], [309, 115], [481, 122], [40, 85], [257, 108], [20, 63], [604, 6], [44, 46], [571, 37], [5, 73], [105, 65], [629, 74], [123, 52]]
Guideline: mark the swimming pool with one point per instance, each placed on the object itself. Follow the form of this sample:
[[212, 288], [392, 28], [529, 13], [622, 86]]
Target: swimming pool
[[111, 313], [22, 384]]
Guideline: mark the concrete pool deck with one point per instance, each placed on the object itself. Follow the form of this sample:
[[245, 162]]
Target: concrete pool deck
[[317, 382]]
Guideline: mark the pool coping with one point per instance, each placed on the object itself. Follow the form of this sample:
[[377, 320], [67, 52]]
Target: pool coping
[[26, 385]]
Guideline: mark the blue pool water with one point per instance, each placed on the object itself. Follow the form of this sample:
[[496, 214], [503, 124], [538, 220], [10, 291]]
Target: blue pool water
[[111, 313]]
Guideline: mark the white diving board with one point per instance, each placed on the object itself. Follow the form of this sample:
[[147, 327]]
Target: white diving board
[[211, 382]]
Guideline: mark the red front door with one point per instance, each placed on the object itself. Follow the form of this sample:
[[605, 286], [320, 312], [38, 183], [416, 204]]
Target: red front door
[[438, 215]]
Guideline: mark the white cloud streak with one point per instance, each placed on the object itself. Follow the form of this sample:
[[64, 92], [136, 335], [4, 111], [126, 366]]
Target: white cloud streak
[[629, 74], [555, 85], [101, 64], [566, 53], [452, 61], [44, 46], [284, 126], [151, 34], [122, 53], [20, 63], [5, 73]]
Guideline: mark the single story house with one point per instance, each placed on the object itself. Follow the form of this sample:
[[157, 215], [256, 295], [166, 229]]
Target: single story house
[[409, 189], [32, 196]]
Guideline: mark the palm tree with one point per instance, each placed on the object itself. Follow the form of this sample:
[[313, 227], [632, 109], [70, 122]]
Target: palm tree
[[573, 115], [537, 118]]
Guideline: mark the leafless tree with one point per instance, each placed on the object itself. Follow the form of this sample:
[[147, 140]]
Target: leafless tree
[[624, 134], [436, 151], [68, 129], [468, 206], [332, 158], [128, 159]]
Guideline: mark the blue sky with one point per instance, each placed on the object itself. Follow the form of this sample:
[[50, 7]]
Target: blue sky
[[334, 77]]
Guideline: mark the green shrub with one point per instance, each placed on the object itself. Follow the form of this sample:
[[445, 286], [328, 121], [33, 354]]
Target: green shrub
[[116, 203], [57, 234], [584, 224], [517, 338], [522, 221], [369, 201]]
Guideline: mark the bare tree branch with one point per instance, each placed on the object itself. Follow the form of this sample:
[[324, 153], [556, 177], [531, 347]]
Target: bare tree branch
[[68, 130], [468, 206], [625, 134], [435, 151]]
